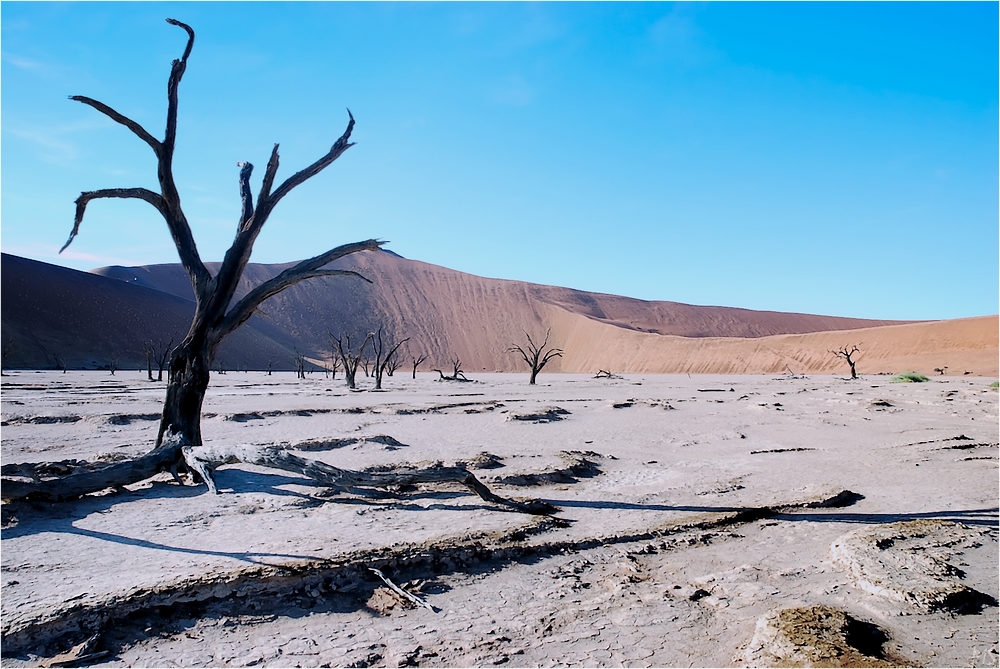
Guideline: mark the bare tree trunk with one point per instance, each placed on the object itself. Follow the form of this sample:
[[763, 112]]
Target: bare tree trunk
[[186, 387]]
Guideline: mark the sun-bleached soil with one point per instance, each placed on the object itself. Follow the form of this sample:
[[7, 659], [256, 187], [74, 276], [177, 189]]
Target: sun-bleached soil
[[703, 521]]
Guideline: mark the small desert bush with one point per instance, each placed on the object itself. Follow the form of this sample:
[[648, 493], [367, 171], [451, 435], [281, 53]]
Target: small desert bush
[[909, 377], [995, 385]]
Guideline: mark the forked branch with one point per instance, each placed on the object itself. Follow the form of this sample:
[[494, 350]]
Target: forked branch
[[306, 269]]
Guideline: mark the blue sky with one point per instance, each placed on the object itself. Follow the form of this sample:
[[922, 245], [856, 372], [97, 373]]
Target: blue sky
[[833, 158]]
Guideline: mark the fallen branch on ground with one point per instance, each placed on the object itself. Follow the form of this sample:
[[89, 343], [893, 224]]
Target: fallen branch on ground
[[204, 459], [402, 593]]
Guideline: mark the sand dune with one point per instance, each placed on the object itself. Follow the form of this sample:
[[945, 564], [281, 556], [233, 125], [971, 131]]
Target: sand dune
[[86, 321], [449, 314]]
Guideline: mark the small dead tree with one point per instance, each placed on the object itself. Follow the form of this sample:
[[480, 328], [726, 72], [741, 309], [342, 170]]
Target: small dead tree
[[161, 356], [456, 375], [417, 361], [349, 358], [536, 355], [112, 364], [847, 353], [8, 348], [300, 365], [393, 363], [383, 355]]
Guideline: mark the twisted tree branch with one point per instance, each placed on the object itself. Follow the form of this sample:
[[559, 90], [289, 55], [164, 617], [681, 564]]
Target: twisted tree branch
[[149, 196]]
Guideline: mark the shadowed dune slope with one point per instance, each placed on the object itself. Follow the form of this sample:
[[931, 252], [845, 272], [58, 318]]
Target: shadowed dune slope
[[86, 321], [448, 314]]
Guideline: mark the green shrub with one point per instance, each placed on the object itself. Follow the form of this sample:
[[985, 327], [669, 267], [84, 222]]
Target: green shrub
[[909, 377], [995, 385]]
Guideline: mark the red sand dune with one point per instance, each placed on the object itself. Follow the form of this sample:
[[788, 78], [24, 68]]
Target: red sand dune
[[450, 314]]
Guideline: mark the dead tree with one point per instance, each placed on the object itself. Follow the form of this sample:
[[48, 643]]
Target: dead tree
[[349, 358], [215, 318], [417, 360], [456, 375], [535, 355], [300, 365], [113, 363], [847, 354], [157, 353], [392, 363], [382, 356], [216, 315], [5, 351]]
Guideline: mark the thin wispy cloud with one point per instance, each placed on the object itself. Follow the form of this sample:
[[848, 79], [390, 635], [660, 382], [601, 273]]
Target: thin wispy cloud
[[53, 143], [51, 252], [24, 63]]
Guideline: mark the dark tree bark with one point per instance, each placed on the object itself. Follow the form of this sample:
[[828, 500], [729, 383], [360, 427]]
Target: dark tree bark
[[536, 356], [847, 354], [216, 317], [382, 355], [348, 358]]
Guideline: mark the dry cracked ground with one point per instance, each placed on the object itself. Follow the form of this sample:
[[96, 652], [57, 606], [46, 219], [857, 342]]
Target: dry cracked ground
[[702, 521]]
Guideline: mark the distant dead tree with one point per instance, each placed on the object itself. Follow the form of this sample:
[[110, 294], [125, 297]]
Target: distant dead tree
[[456, 375], [5, 351], [349, 358], [536, 355], [383, 355], [157, 353], [847, 353], [270, 366], [300, 365], [112, 364], [417, 360], [393, 363], [941, 370], [605, 374], [61, 362]]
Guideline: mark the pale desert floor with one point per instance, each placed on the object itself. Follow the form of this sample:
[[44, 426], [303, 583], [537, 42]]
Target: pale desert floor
[[684, 522]]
